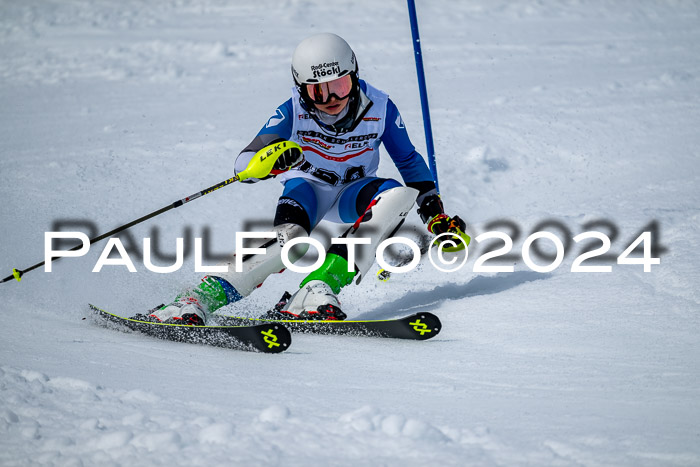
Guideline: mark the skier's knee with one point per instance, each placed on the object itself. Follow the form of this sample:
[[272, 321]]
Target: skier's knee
[[290, 211], [370, 191], [381, 220]]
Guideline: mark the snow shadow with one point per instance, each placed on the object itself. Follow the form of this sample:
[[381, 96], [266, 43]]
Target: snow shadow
[[427, 300]]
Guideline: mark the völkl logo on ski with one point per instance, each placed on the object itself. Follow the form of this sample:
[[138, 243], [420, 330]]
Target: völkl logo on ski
[[419, 327], [270, 338]]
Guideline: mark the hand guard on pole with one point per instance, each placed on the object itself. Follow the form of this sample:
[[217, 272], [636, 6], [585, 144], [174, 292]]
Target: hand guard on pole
[[265, 161], [442, 223], [433, 214]]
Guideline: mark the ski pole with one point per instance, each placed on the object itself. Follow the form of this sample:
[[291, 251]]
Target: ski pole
[[463, 239], [259, 167], [418, 55], [384, 275]]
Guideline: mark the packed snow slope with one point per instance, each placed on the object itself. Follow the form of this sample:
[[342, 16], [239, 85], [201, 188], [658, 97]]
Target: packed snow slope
[[582, 115]]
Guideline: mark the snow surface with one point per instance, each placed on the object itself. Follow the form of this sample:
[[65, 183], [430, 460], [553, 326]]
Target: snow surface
[[572, 111]]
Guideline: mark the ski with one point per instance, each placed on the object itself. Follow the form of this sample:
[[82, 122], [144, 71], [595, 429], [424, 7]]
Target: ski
[[270, 337], [419, 326]]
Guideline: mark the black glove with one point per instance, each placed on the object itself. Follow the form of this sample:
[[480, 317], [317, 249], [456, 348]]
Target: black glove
[[443, 223], [289, 159], [433, 214]]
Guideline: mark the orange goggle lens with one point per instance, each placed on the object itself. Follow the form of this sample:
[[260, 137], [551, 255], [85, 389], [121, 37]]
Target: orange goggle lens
[[321, 93]]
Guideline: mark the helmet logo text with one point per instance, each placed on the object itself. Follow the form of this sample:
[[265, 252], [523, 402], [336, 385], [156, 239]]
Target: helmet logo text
[[325, 69]]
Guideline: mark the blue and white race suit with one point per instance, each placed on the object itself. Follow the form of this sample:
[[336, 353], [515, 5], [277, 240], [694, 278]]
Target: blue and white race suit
[[337, 180]]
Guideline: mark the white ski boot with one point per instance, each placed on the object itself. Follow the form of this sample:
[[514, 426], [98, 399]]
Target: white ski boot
[[186, 310], [315, 300]]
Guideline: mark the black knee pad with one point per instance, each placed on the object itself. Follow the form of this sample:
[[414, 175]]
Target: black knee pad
[[291, 212]]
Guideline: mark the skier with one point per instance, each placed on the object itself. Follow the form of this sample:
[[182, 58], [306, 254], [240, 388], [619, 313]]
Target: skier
[[339, 121]]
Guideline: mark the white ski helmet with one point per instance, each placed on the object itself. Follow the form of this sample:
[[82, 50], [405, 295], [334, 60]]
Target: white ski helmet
[[321, 58]]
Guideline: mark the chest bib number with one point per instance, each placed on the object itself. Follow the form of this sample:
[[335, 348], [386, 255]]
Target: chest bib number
[[350, 174]]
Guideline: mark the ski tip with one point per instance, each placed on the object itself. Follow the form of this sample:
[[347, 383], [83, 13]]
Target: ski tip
[[425, 325], [274, 338], [265, 338]]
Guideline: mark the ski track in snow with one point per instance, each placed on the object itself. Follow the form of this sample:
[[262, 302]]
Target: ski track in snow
[[567, 111]]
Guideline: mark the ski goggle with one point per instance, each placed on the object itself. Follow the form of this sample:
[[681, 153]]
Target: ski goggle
[[321, 93]]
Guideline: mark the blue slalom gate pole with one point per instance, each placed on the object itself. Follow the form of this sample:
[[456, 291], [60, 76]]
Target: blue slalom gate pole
[[423, 92]]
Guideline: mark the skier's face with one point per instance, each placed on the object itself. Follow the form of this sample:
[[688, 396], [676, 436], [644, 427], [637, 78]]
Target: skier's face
[[333, 106]]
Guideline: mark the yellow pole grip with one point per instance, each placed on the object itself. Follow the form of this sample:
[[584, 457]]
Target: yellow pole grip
[[262, 162]]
